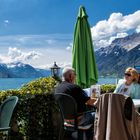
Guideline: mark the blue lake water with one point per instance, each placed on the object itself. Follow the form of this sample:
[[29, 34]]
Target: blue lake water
[[17, 83], [13, 83]]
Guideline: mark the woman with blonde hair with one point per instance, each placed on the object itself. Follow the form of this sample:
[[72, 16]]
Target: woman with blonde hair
[[129, 86]]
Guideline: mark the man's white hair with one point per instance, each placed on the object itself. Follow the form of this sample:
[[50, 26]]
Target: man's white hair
[[66, 71]]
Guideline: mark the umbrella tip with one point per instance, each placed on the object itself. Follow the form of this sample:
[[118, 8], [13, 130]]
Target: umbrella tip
[[81, 6], [82, 12]]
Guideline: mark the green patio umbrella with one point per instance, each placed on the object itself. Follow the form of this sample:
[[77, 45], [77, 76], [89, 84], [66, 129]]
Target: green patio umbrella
[[83, 58]]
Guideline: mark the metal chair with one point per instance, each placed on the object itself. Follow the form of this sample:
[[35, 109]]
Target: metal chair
[[6, 111], [68, 109]]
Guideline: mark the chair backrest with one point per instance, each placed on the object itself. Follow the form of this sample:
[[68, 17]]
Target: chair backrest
[[6, 111], [68, 106], [114, 111]]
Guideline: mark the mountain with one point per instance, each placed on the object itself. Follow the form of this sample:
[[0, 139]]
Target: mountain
[[44, 72], [111, 60], [120, 54], [20, 70], [4, 73]]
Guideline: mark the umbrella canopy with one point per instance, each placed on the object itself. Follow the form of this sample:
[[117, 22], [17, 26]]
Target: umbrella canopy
[[83, 59]]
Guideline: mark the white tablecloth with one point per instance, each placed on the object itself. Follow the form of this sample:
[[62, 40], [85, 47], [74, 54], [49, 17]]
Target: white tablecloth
[[135, 101], [87, 90]]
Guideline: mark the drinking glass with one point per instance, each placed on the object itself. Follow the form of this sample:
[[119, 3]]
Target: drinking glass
[[95, 91]]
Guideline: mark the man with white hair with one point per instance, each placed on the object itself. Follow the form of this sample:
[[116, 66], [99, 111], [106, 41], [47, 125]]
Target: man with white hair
[[69, 87]]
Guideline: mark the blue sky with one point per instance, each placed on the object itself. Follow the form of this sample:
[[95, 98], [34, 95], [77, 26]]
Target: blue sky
[[40, 32]]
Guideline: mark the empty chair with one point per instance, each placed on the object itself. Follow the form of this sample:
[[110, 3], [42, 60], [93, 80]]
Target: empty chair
[[6, 111], [68, 109]]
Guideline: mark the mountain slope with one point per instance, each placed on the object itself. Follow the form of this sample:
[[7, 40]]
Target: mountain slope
[[4, 73], [18, 70], [122, 53]]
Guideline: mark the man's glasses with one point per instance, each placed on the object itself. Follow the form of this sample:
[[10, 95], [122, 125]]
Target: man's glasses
[[127, 74]]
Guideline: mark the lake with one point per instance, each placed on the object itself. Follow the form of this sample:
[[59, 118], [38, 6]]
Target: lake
[[17, 83]]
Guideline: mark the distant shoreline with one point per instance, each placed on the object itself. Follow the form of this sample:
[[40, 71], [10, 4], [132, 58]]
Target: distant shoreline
[[17, 83]]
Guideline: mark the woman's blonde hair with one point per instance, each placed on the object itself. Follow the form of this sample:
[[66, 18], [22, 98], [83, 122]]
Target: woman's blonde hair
[[134, 73]]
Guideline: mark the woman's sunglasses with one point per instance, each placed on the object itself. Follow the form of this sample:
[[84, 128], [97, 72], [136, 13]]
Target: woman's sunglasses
[[127, 74]]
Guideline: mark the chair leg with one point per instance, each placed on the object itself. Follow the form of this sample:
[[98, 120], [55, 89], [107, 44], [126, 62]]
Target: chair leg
[[89, 134], [85, 135], [69, 136], [80, 135], [61, 133]]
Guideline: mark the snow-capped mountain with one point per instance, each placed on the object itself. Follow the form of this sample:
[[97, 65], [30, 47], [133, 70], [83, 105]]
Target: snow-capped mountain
[[19, 70], [122, 53], [111, 60], [129, 42]]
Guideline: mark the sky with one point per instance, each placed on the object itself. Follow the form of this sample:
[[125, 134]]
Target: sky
[[39, 32]]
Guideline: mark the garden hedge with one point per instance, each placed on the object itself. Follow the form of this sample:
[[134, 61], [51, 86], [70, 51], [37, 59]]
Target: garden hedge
[[37, 115]]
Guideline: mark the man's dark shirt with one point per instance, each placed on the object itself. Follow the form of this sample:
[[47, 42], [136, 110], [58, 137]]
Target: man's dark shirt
[[76, 92]]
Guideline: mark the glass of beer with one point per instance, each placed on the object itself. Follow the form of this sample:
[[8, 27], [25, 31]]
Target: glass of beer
[[95, 91]]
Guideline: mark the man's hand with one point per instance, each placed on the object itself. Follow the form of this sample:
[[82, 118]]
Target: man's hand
[[91, 101]]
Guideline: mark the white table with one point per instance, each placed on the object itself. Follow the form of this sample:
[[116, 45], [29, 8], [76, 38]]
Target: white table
[[135, 101], [87, 91]]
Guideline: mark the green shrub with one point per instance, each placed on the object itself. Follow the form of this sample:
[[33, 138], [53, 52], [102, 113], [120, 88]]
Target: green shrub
[[35, 108], [107, 88], [36, 113]]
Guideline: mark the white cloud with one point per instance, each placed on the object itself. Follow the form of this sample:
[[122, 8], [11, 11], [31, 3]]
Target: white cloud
[[105, 31], [59, 55], [50, 41], [47, 49], [14, 52], [69, 47], [107, 41], [6, 21], [60, 64], [58, 47], [41, 58], [118, 35], [16, 55], [138, 29]]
